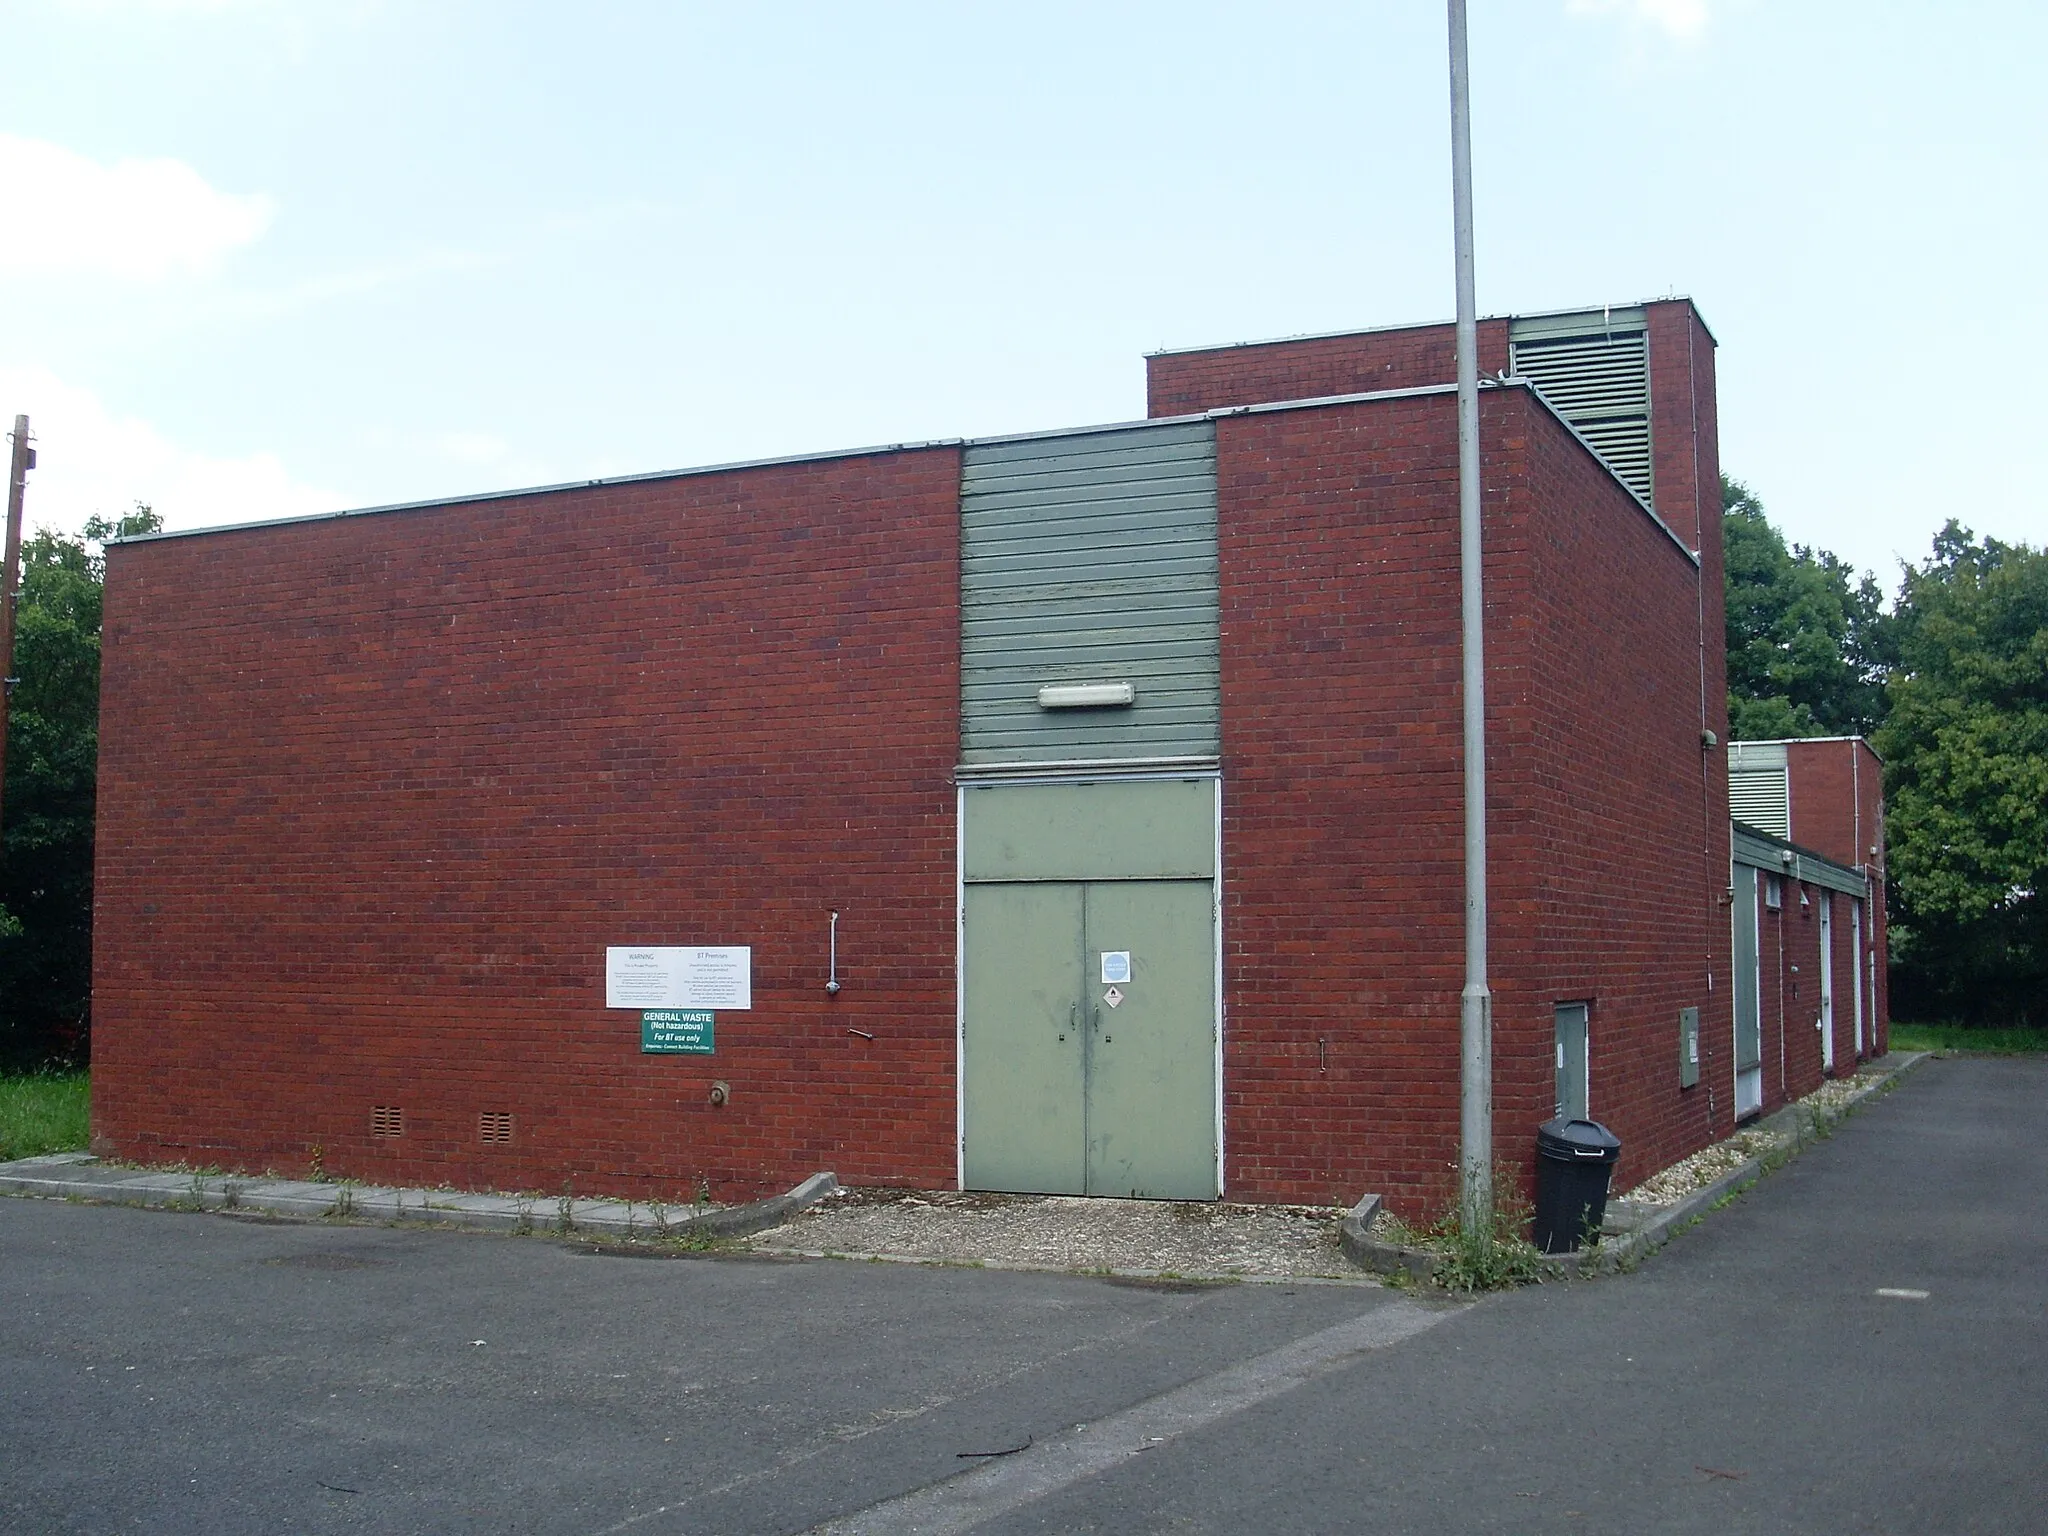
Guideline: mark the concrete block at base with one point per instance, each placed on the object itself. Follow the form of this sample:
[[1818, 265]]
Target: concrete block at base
[[1354, 1236], [744, 1220]]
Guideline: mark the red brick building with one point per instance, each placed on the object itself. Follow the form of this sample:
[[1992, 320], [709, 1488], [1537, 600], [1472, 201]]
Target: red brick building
[[1087, 804], [1809, 912]]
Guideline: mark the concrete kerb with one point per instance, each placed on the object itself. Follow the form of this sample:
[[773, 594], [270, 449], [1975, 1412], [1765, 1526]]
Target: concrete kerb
[[80, 1176], [1645, 1229]]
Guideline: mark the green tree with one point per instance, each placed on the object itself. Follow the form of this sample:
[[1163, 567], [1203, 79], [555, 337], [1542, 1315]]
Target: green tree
[[46, 823], [1966, 780], [1808, 641]]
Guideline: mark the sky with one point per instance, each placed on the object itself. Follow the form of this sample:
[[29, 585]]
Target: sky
[[263, 259]]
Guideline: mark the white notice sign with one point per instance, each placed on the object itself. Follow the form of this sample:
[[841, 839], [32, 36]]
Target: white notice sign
[[1116, 967], [678, 976]]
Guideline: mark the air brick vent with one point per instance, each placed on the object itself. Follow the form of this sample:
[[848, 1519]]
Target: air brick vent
[[494, 1126], [387, 1120]]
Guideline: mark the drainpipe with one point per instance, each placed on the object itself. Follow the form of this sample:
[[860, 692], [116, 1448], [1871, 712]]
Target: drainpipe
[[1475, 1005]]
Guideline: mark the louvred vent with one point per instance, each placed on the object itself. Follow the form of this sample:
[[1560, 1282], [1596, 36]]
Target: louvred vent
[[1601, 385]]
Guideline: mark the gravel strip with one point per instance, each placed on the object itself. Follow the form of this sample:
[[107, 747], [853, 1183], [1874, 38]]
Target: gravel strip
[[1710, 1163], [1206, 1240], [1188, 1240]]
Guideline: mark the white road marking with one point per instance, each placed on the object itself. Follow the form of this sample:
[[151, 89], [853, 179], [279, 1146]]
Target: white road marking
[[997, 1487], [1900, 1293]]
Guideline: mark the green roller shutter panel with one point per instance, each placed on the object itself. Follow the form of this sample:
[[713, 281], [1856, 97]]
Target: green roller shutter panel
[[1090, 558]]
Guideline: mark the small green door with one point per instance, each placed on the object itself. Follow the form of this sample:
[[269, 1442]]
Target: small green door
[[1572, 1085], [1152, 1056], [1024, 1045], [1089, 1038]]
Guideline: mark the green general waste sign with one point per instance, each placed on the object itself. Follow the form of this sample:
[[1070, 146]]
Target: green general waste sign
[[676, 1031]]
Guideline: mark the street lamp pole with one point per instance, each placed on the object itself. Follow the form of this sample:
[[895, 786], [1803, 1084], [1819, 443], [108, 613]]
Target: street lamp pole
[[1475, 1006]]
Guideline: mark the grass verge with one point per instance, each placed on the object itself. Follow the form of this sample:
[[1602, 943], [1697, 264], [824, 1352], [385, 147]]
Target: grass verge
[[44, 1112], [1968, 1037]]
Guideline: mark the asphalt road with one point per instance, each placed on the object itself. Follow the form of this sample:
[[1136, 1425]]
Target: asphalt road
[[165, 1372]]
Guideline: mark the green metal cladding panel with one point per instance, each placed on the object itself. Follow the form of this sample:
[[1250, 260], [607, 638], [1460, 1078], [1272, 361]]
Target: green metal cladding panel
[[1087, 558], [1139, 830]]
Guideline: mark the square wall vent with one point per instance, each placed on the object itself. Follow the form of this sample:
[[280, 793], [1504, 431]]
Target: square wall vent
[[494, 1126], [387, 1120]]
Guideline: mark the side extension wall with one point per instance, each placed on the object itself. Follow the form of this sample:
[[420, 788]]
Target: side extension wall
[[1628, 809], [1343, 848]]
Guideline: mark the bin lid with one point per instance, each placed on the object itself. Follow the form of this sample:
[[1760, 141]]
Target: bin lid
[[1576, 1141]]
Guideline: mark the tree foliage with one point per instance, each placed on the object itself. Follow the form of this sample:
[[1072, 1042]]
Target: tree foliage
[[46, 822], [1808, 641], [1966, 753]]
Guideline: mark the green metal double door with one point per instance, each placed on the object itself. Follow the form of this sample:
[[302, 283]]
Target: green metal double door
[[1089, 1038]]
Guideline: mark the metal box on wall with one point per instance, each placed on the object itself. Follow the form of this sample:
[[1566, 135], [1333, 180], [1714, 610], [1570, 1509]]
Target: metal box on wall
[[1688, 1047]]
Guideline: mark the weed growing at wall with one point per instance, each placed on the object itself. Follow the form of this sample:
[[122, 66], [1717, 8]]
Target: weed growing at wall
[[1493, 1257]]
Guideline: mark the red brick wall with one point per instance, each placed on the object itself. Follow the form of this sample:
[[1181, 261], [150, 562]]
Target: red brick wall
[[1343, 851], [1184, 383], [429, 764], [377, 792], [1341, 827], [1837, 809], [1631, 857], [1684, 426], [1789, 991]]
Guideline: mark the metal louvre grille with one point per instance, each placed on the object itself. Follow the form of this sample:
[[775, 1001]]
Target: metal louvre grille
[[1761, 798], [387, 1120], [1090, 558], [1601, 385], [494, 1126]]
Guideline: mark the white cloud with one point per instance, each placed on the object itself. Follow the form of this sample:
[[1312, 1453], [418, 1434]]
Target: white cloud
[[136, 219], [1684, 20], [92, 461]]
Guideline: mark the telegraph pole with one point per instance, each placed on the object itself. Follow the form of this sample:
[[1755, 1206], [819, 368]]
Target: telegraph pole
[[21, 462], [1475, 1006]]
